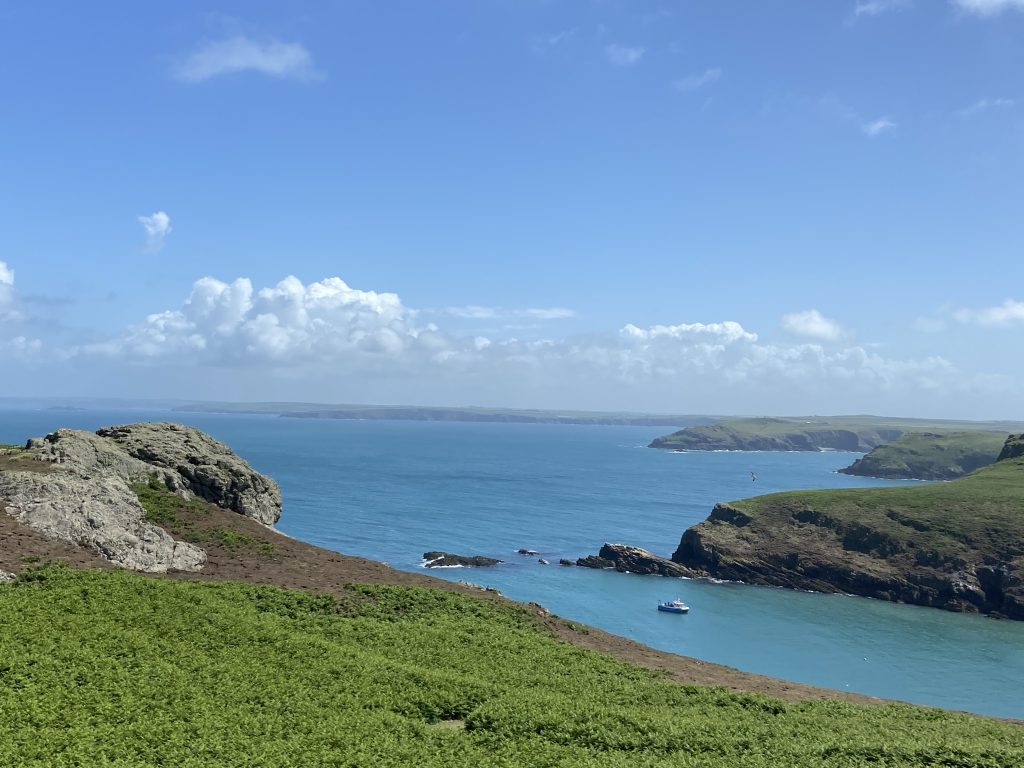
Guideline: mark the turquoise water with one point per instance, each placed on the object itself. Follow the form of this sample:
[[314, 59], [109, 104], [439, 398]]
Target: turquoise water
[[393, 490]]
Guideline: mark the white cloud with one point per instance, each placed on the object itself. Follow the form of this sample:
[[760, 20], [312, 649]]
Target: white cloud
[[877, 127], [623, 55], [7, 296], [878, 7], [1008, 313], [983, 105], [158, 227], [477, 312], [989, 7], [813, 324], [693, 82], [240, 54], [544, 43], [324, 334]]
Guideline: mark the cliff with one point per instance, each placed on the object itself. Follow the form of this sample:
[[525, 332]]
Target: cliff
[[930, 456], [778, 435], [78, 487], [956, 545]]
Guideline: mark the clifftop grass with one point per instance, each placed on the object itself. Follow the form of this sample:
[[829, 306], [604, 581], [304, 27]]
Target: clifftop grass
[[930, 455], [967, 519], [117, 669]]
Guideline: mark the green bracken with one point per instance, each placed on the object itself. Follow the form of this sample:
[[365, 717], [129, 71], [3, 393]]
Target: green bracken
[[117, 669]]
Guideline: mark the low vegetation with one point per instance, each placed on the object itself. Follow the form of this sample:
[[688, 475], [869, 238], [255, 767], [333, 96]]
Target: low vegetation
[[185, 519], [930, 456], [117, 669]]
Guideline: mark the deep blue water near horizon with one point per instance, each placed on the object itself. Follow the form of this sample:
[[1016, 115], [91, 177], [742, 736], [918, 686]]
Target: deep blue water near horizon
[[393, 490]]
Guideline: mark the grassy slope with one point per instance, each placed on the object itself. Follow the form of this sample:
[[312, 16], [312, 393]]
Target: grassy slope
[[119, 669], [930, 455], [977, 515]]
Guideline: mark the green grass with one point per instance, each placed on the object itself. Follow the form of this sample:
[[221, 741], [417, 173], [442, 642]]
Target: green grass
[[116, 669], [170, 511], [931, 455], [802, 433], [977, 515]]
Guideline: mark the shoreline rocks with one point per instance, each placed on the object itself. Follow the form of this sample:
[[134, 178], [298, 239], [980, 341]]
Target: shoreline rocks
[[624, 558]]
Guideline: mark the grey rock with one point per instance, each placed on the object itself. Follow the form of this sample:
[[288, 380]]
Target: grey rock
[[82, 493], [201, 465], [625, 558], [6, 577]]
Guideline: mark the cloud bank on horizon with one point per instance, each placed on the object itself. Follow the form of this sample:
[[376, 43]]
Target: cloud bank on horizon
[[303, 337]]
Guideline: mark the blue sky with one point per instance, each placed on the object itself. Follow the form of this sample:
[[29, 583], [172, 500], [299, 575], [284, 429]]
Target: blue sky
[[775, 207]]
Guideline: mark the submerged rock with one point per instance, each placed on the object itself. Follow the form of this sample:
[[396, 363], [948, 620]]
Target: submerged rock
[[447, 560], [625, 558], [76, 487], [563, 561]]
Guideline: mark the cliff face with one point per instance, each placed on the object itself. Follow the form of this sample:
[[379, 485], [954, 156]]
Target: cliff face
[[957, 545], [77, 487]]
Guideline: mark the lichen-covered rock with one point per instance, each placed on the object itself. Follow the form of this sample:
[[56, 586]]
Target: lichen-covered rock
[[201, 465], [6, 577], [81, 492]]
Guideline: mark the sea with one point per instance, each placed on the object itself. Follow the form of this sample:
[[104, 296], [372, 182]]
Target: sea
[[392, 490]]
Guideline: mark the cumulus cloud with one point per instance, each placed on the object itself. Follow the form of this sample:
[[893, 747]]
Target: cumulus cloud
[[158, 227], [6, 274], [328, 331], [812, 324], [623, 55], [693, 82], [989, 7], [240, 54], [983, 105], [877, 127], [1008, 313]]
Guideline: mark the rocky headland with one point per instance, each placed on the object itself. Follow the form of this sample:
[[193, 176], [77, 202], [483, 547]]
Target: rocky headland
[[930, 456], [956, 545], [79, 488], [777, 435]]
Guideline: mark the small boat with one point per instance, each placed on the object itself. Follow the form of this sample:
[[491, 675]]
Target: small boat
[[674, 606]]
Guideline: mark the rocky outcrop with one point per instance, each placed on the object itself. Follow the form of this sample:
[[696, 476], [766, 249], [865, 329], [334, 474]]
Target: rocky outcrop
[[202, 466], [448, 560], [77, 487], [1013, 448], [628, 559]]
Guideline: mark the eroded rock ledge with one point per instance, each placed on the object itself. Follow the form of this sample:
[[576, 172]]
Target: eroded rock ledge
[[75, 486], [625, 558]]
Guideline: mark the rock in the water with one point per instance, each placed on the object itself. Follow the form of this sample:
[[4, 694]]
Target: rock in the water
[[624, 558], [563, 561], [82, 494], [447, 559], [527, 552]]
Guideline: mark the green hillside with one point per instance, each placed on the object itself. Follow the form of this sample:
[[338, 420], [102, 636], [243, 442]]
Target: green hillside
[[956, 545], [930, 456], [115, 669]]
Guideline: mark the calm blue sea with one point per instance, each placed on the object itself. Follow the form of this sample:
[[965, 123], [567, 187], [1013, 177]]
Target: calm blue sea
[[393, 490]]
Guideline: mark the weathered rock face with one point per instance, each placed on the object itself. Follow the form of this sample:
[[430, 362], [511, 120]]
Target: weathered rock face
[[447, 560], [624, 558], [81, 492], [201, 465]]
